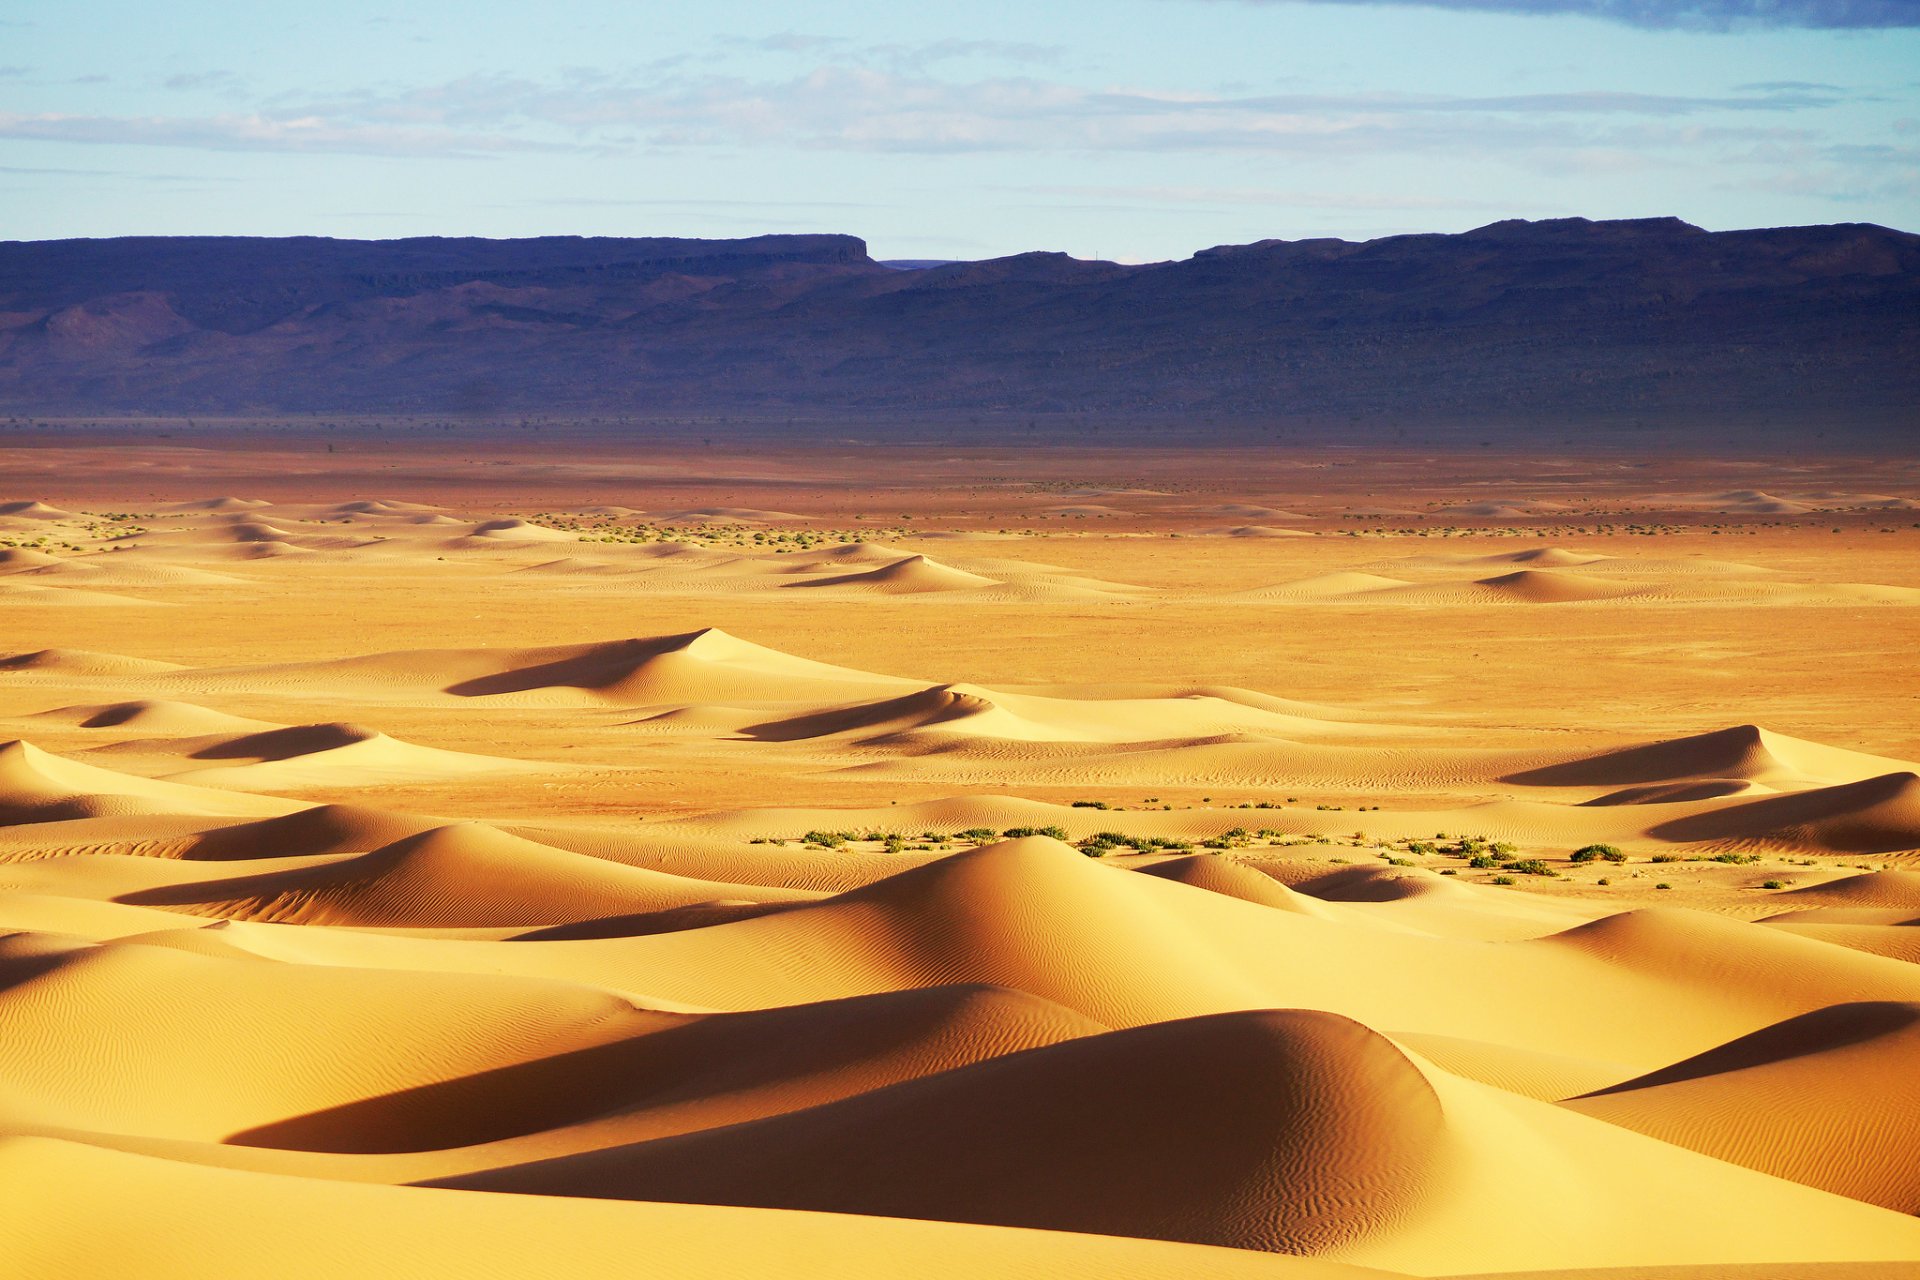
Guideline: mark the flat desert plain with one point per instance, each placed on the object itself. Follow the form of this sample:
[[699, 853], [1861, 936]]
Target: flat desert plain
[[512, 855]]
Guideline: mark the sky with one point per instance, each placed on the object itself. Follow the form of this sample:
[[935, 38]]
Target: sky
[[1136, 130]]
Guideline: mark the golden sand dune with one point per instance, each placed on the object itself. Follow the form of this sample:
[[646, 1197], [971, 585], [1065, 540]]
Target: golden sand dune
[[290, 757], [1363, 1148], [968, 711], [187, 1223], [1896, 891], [30, 511], [849, 569], [907, 576], [466, 876], [1766, 1101], [1561, 575], [220, 504], [1742, 752], [705, 665], [1874, 815], [157, 717], [512, 531], [38, 787]]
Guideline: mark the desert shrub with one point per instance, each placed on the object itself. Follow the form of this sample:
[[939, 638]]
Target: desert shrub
[[977, 833], [1603, 852], [1503, 880], [1089, 804], [1773, 884], [1666, 857], [831, 839], [1532, 867], [1482, 861], [1017, 833], [1737, 859], [1663, 885]]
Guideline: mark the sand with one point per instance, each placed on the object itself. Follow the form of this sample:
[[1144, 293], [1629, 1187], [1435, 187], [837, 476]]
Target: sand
[[1064, 865]]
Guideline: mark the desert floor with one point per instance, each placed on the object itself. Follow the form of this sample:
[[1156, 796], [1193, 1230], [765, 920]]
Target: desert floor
[[494, 853]]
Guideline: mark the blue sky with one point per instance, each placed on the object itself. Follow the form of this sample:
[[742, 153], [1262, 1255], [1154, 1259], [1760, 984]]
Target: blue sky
[[1131, 129]]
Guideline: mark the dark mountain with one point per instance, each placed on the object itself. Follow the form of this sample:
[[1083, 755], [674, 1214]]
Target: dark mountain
[[1563, 322]]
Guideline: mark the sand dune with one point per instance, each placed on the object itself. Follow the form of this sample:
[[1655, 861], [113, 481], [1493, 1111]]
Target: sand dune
[[908, 576], [31, 509], [20, 559], [1287, 1131], [1544, 586], [1259, 531], [705, 665], [1891, 890], [466, 876], [38, 787], [1766, 1101], [192, 1223], [311, 755], [320, 829], [1743, 752], [158, 717], [516, 530], [220, 504], [1874, 815]]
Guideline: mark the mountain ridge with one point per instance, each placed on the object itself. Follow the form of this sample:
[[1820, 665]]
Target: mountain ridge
[[1565, 320]]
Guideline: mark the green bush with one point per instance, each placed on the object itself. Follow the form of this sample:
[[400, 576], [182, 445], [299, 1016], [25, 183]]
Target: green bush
[[1018, 833], [1604, 852], [1532, 867], [1773, 884], [1503, 880]]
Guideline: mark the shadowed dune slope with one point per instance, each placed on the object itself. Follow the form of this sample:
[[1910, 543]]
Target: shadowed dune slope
[[1875, 815], [180, 1222], [1280, 1130], [1743, 751], [1830, 1099]]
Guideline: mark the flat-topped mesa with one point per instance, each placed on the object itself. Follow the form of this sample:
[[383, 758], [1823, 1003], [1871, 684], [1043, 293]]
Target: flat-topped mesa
[[1497, 329]]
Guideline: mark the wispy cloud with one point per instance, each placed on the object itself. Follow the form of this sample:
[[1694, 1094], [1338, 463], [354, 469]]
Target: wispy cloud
[[864, 109], [1272, 198], [1688, 15], [257, 132]]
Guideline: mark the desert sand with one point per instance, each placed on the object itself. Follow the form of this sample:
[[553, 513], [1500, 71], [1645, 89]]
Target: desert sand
[[467, 858]]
